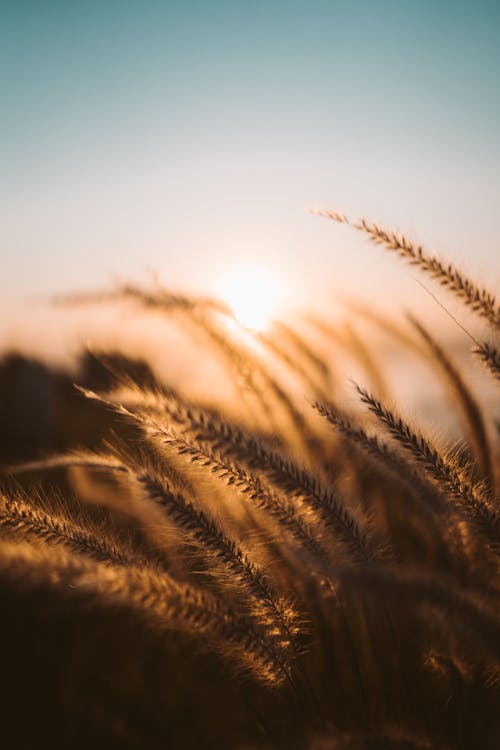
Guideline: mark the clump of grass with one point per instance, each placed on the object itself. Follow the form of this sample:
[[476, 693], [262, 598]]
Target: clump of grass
[[329, 583], [155, 595]]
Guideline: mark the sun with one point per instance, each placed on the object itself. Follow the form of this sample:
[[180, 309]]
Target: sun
[[253, 294]]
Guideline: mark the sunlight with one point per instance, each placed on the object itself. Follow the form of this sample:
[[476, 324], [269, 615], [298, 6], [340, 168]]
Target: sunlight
[[253, 294]]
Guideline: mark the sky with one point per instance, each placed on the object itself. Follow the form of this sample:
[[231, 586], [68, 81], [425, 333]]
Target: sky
[[182, 139]]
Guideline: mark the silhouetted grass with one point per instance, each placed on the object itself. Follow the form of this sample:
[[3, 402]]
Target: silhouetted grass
[[185, 572]]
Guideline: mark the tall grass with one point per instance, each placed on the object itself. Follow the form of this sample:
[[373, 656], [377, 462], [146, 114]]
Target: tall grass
[[274, 571]]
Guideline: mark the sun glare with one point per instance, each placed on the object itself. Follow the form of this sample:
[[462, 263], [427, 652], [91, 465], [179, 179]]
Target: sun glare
[[253, 294]]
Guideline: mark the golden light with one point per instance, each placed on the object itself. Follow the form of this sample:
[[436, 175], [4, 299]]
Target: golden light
[[254, 295]]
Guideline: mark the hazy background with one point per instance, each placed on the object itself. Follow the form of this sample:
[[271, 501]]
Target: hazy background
[[186, 137]]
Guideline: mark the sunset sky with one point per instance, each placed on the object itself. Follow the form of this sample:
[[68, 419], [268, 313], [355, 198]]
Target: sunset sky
[[186, 137]]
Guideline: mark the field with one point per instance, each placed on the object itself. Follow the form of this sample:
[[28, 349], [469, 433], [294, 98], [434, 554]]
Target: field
[[256, 554]]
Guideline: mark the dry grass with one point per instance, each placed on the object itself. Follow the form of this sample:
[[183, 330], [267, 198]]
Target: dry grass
[[268, 572]]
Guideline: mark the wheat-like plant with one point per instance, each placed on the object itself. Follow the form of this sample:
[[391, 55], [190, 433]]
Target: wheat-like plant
[[178, 571]]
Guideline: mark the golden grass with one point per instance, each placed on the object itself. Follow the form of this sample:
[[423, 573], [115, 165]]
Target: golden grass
[[269, 578]]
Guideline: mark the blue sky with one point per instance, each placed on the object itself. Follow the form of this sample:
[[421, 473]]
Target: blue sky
[[183, 137]]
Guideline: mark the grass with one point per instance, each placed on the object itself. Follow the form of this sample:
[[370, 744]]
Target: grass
[[265, 571]]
